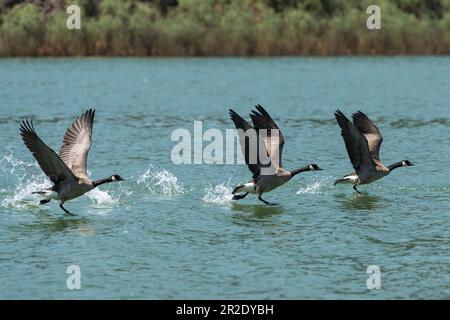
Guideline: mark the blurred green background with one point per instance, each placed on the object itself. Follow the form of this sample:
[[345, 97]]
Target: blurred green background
[[223, 28]]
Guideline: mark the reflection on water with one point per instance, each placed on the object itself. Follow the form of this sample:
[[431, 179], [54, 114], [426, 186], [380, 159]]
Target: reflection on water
[[358, 202], [257, 211], [63, 223]]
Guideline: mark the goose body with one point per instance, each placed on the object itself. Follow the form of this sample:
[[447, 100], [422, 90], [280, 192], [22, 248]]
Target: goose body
[[68, 170], [269, 141], [363, 141]]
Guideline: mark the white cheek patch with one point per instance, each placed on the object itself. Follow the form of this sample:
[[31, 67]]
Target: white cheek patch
[[113, 178], [404, 163], [311, 167]]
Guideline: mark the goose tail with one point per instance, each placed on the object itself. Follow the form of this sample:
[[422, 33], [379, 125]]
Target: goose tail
[[235, 190], [47, 194], [39, 192]]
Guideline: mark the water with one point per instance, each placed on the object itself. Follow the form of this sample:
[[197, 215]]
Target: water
[[171, 231]]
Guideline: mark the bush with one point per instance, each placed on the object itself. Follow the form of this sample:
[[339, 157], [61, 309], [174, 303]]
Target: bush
[[22, 30], [224, 27]]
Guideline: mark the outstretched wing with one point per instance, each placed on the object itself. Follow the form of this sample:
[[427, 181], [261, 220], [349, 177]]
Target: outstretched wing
[[77, 142], [52, 165], [371, 132], [355, 142], [273, 140], [252, 160]]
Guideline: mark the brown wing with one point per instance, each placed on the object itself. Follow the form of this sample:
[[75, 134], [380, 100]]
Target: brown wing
[[77, 142], [48, 160], [355, 142], [242, 127], [274, 139], [370, 132]]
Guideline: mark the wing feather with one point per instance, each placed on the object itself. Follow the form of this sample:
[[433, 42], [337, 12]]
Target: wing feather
[[371, 132], [242, 126], [52, 165], [77, 142], [273, 140], [355, 142]]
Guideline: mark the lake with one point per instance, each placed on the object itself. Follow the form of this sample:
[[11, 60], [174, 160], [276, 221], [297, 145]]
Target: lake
[[171, 232]]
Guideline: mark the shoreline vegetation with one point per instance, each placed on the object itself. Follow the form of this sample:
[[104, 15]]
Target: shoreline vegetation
[[223, 28]]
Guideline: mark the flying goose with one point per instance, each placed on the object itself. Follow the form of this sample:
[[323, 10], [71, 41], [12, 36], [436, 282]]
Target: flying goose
[[68, 171], [363, 141], [268, 174]]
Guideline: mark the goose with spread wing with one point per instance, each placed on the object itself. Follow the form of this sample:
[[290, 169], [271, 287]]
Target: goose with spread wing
[[68, 170], [262, 154], [363, 141]]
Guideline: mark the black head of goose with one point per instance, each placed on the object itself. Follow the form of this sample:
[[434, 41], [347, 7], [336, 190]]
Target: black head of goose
[[363, 141], [268, 174], [68, 170]]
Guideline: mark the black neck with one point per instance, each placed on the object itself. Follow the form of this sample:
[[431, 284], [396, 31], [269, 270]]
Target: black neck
[[395, 165], [102, 181], [302, 169]]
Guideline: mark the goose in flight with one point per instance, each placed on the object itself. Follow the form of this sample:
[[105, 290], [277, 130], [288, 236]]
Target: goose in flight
[[263, 154], [68, 170], [363, 141]]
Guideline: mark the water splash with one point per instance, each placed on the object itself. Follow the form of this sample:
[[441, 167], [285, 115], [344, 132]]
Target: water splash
[[19, 180], [161, 182], [11, 167], [102, 198], [107, 198], [313, 188], [22, 196], [219, 194], [24, 178]]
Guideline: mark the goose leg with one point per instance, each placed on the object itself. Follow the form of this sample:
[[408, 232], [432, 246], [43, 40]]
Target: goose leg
[[359, 192], [266, 202], [44, 201], [65, 210], [239, 196]]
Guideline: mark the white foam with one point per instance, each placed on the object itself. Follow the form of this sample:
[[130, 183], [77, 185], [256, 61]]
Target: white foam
[[161, 183], [313, 188], [102, 198], [24, 182], [22, 195], [219, 194]]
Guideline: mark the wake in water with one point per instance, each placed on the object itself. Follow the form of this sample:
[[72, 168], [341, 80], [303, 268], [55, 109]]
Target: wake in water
[[317, 187], [21, 179], [22, 196], [219, 194], [160, 183]]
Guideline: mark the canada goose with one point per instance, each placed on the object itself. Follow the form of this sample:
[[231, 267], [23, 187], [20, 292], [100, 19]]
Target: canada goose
[[267, 175], [68, 171], [363, 141]]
